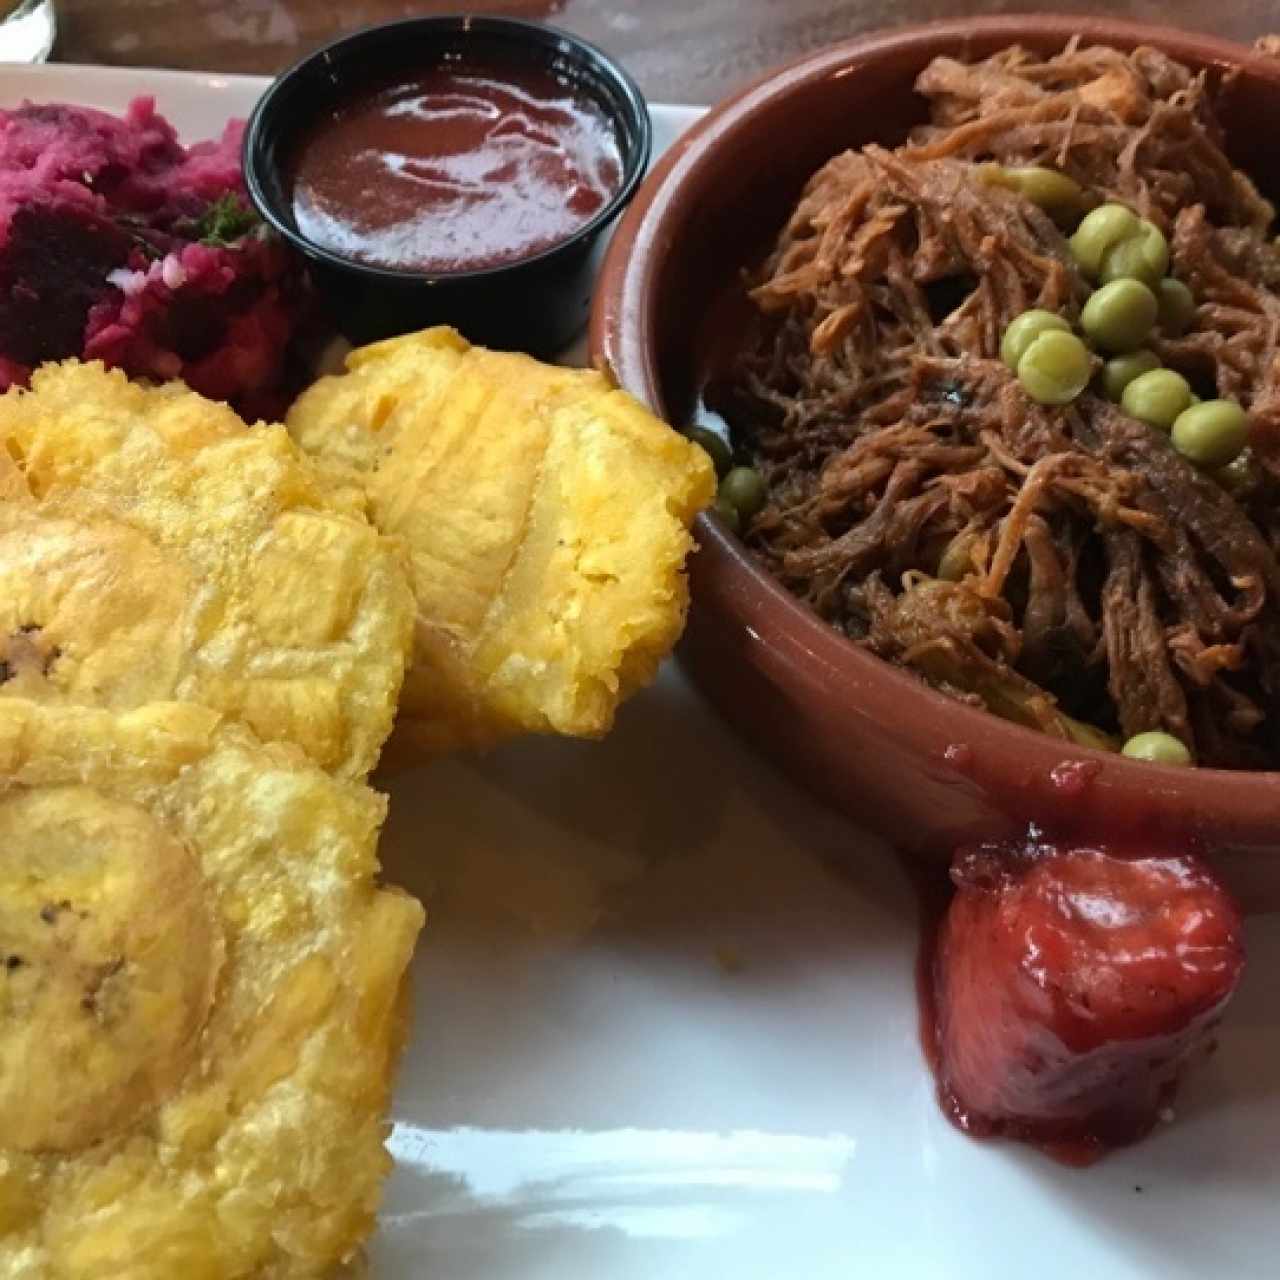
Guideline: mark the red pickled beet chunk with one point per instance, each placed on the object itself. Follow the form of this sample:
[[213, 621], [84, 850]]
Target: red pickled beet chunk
[[1071, 987]]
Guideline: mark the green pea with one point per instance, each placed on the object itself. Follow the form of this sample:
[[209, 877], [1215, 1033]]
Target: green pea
[[1119, 371], [1054, 192], [1099, 230], [1024, 330], [1211, 434], [1143, 256], [715, 445], [1157, 748], [1088, 735], [744, 488], [1237, 475], [1157, 398], [1177, 306], [728, 513], [1055, 368], [1119, 317], [956, 560]]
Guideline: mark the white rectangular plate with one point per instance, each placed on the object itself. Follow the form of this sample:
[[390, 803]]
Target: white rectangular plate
[[659, 1037]]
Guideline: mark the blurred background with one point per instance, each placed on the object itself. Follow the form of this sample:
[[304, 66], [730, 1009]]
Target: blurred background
[[680, 50]]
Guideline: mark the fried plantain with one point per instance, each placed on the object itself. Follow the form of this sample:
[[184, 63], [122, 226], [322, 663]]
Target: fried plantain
[[153, 547], [201, 1000], [547, 518]]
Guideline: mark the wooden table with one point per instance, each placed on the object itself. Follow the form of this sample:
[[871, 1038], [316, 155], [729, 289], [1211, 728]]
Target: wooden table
[[679, 50]]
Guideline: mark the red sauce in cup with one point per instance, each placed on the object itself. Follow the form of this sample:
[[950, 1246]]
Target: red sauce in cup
[[455, 168]]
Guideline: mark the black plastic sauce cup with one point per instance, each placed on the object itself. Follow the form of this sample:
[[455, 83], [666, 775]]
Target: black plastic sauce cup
[[536, 304]]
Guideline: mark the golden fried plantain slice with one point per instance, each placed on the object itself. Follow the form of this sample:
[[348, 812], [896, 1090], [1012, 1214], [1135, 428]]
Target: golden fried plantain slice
[[153, 547], [547, 519], [200, 1000]]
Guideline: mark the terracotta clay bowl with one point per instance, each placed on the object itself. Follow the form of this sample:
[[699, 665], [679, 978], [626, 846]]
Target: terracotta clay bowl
[[923, 769]]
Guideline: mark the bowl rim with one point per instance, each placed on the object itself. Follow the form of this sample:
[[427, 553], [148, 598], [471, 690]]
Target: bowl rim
[[622, 322], [633, 120]]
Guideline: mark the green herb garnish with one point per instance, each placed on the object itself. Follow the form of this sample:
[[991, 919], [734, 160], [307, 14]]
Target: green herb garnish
[[225, 221]]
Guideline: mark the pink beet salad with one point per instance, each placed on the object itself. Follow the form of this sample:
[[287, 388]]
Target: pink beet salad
[[117, 243]]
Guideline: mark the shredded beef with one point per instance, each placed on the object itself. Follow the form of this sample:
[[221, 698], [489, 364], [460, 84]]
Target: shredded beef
[[1066, 568]]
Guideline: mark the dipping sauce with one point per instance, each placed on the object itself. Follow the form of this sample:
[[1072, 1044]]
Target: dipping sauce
[[455, 168]]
